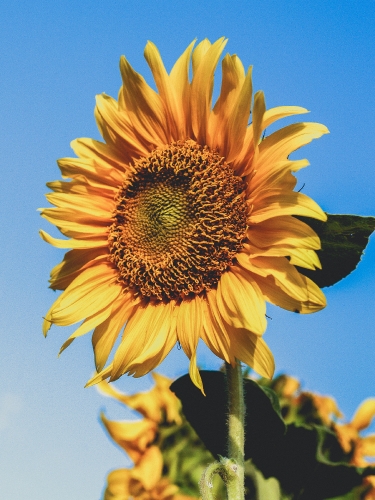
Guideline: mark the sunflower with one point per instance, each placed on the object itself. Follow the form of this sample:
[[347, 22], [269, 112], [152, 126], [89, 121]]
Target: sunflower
[[181, 223]]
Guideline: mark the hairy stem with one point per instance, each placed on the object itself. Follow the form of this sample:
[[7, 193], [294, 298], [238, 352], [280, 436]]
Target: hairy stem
[[236, 431]]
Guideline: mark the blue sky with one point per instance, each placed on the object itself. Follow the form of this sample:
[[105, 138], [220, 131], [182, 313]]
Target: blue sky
[[55, 57]]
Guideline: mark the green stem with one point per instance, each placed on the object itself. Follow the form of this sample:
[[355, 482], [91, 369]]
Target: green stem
[[236, 430]]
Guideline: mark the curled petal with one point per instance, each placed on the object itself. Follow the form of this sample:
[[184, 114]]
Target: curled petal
[[273, 114]]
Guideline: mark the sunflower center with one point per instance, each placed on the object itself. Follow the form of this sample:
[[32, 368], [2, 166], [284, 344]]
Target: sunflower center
[[179, 221]]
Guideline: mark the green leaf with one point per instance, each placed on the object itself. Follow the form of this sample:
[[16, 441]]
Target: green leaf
[[184, 457], [344, 239], [257, 487], [310, 464], [208, 414]]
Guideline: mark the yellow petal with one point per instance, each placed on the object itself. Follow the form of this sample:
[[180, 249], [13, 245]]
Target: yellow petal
[[368, 446], [99, 154], [275, 295], [214, 333], [118, 485], [94, 289], [240, 301], [233, 76], [179, 77], [166, 398], [273, 114], [166, 91], [285, 296], [148, 337], [105, 334], [162, 338], [237, 123], [132, 436], [202, 86], [258, 113], [364, 414], [301, 257], [149, 468], [118, 130], [290, 386], [97, 207], [84, 185], [95, 171], [143, 105], [253, 351], [243, 164], [304, 258], [326, 407], [89, 324], [154, 404], [73, 263], [99, 377], [279, 145], [277, 203], [283, 231], [275, 176], [72, 243], [77, 226], [189, 328], [286, 276], [199, 52]]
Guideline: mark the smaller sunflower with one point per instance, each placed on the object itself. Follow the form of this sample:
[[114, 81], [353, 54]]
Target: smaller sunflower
[[182, 222]]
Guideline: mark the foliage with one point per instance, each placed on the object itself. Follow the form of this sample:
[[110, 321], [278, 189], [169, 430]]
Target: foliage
[[343, 239], [294, 438]]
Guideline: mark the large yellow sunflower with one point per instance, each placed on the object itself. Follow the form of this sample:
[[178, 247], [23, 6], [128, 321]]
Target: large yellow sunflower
[[180, 223]]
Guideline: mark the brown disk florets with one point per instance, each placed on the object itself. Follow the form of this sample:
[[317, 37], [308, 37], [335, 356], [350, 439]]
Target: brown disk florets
[[179, 221]]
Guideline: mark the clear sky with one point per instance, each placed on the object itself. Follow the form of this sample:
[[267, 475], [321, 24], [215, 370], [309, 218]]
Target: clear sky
[[54, 57]]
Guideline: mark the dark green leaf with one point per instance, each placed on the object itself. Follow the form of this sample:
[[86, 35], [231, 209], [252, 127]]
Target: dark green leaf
[[208, 414], [343, 239], [310, 464]]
